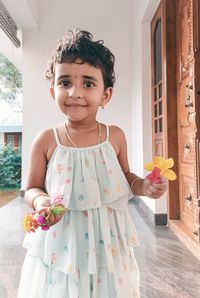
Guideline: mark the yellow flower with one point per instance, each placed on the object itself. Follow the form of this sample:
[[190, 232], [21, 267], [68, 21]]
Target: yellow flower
[[164, 165], [30, 224]]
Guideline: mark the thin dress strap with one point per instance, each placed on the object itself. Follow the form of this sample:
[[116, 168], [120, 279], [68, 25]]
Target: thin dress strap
[[56, 136], [107, 132]]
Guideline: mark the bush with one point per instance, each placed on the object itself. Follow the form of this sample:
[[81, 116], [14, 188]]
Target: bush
[[10, 168]]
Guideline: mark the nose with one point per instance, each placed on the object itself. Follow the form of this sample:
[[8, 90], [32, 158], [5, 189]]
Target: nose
[[74, 92]]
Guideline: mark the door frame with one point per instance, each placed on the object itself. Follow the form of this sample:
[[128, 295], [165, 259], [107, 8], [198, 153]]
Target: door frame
[[167, 10]]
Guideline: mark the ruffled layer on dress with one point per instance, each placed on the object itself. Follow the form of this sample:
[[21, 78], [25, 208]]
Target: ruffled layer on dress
[[87, 240], [46, 282], [88, 177]]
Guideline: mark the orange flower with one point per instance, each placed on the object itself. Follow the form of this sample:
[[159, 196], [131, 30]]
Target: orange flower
[[30, 224]]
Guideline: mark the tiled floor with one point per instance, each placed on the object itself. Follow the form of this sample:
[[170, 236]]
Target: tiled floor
[[11, 251], [168, 269]]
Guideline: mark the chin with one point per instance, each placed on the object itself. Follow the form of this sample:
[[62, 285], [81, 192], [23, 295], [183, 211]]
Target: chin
[[74, 118]]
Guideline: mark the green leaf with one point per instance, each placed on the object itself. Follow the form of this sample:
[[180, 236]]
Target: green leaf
[[57, 210]]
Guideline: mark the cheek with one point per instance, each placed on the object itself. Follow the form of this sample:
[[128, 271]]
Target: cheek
[[60, 94]]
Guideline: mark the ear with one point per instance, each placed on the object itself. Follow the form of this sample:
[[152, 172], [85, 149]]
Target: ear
[[51, 89], [107, 94]]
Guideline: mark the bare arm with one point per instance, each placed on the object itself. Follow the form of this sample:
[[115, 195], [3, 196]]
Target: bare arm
[[123, 160], [139, 186], [36, 169], [35, 195]]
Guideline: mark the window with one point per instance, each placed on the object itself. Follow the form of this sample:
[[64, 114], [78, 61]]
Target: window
[[10, 140], [20, 141], [158, 121], [158, 94], [14, 139]]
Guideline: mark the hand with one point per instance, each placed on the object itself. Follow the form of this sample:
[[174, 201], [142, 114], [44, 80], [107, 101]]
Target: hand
[[43, 206], [154, 190]]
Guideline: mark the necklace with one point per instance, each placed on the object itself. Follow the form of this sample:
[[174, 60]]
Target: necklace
[[73, 143]]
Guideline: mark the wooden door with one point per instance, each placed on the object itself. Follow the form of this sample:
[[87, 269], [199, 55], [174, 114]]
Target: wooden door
[[175, 44], [188, 105]]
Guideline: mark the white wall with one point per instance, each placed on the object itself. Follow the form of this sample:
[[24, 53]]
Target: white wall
[[108, 20], [141, 127], [10, 51]]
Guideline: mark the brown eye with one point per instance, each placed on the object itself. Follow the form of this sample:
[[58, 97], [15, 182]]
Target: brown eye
[[88, 84], [65, 83]]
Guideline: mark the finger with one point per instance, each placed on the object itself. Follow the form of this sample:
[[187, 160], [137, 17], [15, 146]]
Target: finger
[[58, 217], [44, 211], [154, 189], [160, 186], [154, 192], [149, 193], [51, 220], [163, 179], [154, 196]]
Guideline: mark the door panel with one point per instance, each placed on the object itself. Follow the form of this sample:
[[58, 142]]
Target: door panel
[[186, 111]]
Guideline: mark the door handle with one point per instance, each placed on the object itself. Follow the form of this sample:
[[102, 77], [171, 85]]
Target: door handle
[[189, 198]]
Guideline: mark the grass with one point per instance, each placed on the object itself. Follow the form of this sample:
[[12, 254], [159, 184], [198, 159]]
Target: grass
[[7, 196]]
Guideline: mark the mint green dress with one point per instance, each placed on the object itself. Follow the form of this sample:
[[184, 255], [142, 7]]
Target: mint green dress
[[89, 253]]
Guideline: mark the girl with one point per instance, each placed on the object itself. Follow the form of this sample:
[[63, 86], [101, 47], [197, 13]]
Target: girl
[[88, 252]]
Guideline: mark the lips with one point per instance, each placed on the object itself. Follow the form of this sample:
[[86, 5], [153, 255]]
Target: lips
[[76, 106]]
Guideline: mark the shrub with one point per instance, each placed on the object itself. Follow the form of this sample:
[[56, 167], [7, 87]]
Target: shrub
[[10, 168]]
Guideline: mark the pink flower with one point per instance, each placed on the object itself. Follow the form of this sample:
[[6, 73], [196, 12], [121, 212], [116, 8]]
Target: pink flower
[[154, 176], [57, 199], [45, 227], [41, 219]]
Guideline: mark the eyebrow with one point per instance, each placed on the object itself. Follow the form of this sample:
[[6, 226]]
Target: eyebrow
[[62, 77], [84, 76], [90, 78]]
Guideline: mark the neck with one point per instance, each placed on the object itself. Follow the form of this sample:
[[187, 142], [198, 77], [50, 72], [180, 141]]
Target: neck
[[81, 125], [77, 130]]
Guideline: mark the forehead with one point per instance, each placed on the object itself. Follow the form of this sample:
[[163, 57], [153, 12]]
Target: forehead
[[77, 70]]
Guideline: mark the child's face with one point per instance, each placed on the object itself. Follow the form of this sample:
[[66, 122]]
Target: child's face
[[79, 90]]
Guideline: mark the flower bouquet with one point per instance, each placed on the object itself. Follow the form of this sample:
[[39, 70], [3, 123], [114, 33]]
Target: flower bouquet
[[34, 220]]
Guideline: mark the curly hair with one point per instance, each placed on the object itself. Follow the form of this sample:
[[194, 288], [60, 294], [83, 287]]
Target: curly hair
[[79, 45]]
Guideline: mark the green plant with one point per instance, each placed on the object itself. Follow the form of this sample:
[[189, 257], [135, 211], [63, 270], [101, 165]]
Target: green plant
[[10, 80], [10, 168]]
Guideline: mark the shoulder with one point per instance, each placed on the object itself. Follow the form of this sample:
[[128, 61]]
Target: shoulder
[[44, 143], [43, 136], [117, 138], [116, 132]]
